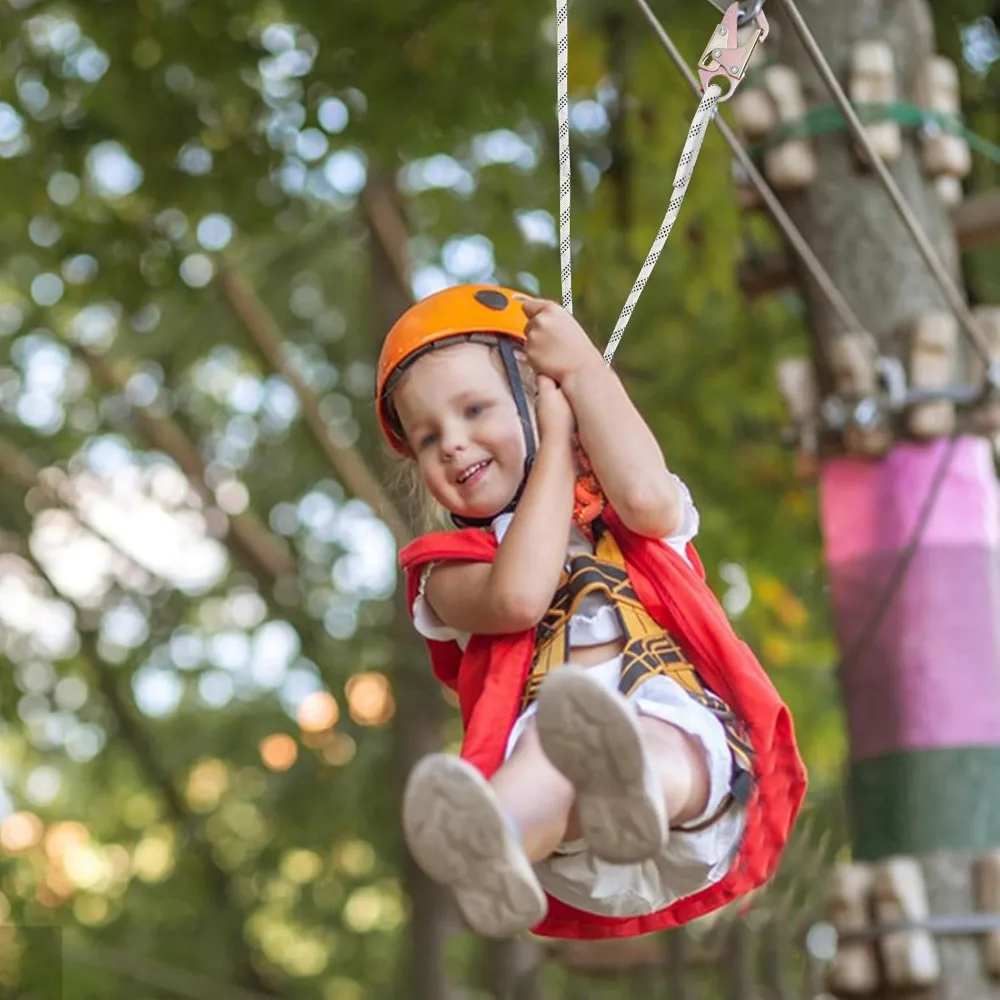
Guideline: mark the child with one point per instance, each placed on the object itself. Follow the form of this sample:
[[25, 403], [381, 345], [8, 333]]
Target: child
[[605, 787]]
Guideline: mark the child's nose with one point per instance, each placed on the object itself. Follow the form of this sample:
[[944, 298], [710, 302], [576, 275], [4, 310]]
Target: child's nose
[[453, 442]]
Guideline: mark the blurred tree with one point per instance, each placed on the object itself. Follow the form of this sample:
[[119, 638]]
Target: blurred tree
[[213, 692]]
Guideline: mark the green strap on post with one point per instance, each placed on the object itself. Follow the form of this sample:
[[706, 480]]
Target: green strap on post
[[827, 118]]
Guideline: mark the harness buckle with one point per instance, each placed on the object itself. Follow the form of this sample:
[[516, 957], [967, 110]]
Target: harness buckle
[[724, 55]]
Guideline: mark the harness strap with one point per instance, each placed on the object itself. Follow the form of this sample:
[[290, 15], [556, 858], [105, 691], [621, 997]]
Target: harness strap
[[649, 649]]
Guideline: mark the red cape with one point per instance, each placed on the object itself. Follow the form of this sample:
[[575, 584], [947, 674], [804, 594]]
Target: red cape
[[488, 679]]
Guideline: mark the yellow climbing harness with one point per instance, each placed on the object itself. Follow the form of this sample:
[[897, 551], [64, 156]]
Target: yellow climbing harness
[[649, 648]]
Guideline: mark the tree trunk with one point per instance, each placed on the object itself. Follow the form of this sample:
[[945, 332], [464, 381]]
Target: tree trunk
[[417, 728], [921, 687]]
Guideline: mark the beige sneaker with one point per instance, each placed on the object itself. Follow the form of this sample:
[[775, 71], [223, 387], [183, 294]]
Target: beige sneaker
[[457, 834], [591, 736]]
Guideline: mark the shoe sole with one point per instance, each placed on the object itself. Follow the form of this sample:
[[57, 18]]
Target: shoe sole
[[458, 836], [591, 737]]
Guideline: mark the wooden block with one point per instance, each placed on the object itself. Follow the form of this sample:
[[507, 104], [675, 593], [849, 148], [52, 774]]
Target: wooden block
[[933, 346], [754, 111], [791, 165], [854, 970], [949, 189], [796, 380], [909, 958], [854, 375], [938, 91], [873, 81]]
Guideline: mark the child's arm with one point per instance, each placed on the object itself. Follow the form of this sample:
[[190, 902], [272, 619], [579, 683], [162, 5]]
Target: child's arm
[[626, 457], [623, 452], [513, 592]]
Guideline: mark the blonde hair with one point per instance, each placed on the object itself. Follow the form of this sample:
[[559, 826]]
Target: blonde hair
[[405, 479]]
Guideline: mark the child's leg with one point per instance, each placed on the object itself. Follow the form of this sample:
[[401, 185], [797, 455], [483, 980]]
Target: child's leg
[[633, 777], [457, 832], [535, 797], [593, 738], [680, 764]]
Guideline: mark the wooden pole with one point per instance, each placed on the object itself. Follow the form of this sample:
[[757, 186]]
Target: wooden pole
[[976, 222], [919, 677]]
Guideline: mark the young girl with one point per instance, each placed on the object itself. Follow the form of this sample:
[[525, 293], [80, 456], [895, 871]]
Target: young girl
[[626, 764]]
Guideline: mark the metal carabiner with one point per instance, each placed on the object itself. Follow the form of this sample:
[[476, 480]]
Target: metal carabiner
[[750, 12], [724, 55]]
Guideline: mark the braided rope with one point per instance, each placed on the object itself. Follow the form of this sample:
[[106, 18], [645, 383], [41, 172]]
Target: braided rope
[[562, 106], [685, 168]]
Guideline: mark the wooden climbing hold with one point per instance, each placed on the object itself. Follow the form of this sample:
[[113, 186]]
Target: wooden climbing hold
[[933, 350], [791, 165], [945, 156], [856, 379], [949, 189], [909, 957], [796, 380], [854, 971], [873, 81]]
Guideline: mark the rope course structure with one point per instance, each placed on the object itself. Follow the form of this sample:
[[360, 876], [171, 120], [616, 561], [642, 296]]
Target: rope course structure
[[899, 396]]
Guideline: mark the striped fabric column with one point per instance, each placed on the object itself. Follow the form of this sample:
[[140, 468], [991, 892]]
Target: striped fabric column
[[923, 696]]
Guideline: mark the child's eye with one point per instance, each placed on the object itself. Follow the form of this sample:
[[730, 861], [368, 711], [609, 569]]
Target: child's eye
[[474, 409], [426, 441]]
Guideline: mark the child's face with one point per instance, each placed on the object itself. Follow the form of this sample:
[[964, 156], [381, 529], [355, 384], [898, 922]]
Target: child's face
[[459, 417]]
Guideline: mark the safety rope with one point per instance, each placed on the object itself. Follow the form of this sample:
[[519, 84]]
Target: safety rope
[[562, 110], [682, 177]]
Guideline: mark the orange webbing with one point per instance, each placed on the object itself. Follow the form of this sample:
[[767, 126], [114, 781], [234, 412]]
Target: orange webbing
[[589, 498]]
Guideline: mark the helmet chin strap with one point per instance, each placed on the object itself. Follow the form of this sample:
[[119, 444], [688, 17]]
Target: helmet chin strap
[[524, 414]]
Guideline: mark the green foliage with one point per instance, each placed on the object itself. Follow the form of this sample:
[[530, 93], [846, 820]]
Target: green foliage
[[162, 799]]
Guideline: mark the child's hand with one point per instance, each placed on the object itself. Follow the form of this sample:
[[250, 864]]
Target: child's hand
[[556, 420], [556, 344]]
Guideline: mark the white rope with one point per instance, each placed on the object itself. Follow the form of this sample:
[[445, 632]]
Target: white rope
[[685, 168], [562, 107]]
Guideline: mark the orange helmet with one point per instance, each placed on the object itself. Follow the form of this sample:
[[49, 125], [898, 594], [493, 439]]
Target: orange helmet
[[457, 313]]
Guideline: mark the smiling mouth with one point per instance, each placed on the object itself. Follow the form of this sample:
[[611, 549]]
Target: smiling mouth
[[472, 470]]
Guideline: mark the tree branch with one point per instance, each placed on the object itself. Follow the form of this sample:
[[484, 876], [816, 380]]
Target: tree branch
[[387, 226], [345, 460], [139, 741], [252, 544], [56, 492]]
